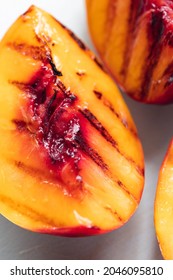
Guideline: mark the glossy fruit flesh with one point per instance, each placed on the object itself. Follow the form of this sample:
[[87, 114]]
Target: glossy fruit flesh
[[134, 39], [71, 161], [164, 206]]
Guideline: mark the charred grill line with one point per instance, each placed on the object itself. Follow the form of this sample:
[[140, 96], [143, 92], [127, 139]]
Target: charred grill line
[[98, 126], [91, 152], [155, 32], [94, 122], [20, 124], [122, 186], [81, 45], [98, 62], [36, 52], [134, 14], [55, 71], [39, 53], [75, 38], [114, 213], [98, 94], [27, 211], [108, 104], [80, 74]]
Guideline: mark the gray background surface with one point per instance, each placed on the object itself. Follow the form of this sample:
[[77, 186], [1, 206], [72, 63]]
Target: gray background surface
[[135, 240]]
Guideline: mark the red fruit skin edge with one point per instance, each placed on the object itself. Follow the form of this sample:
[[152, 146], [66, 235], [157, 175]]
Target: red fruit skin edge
[[79, 231]]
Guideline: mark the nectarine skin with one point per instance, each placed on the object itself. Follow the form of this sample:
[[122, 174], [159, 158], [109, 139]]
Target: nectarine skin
[[66, 167], [134, 39]]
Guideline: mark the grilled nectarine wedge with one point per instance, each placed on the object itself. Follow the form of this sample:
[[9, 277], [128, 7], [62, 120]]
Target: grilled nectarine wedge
[[71, 160], [135, 40], [164, 206]]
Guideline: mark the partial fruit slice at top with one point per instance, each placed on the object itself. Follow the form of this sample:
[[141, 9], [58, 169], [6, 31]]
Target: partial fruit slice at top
[[164, 206], [71, 161], [135, 40]]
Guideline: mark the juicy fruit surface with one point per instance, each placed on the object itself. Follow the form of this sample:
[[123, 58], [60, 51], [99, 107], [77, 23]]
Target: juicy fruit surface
[[134, 39], [163, 214], [71, 160]]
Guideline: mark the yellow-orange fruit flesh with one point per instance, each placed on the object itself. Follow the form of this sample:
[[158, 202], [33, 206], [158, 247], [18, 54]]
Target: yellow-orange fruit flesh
[[163, 213], [71, 160]]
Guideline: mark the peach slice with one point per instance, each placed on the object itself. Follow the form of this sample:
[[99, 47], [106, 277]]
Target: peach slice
[[71, 160], [163, 214], [134, 39]]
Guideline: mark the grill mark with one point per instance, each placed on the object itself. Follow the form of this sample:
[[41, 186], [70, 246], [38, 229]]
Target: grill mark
[[94, 122], [27, 211], [114, 213], [24, 87], [29, 89], [54, 69], [66, 186], [38, 53], [99, 161], [72, 35], [91, 152], [98, 126], [98, 62], [77, 40], [80, 73], [122, 186], [81, 45], [136, 8], [155, 32], [20, 124], [108, 104], [35, 172]]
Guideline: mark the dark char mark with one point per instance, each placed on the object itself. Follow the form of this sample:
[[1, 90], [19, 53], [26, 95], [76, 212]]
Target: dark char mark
[[96, 124], [136, 8], [39, 53], [107, 103], [93, 120], [82, 45], [90, 152], [27, 211], [20, 124], [114, 213], [36, 52], [78, 41], [155, 31], [80, 73], [54, 69]]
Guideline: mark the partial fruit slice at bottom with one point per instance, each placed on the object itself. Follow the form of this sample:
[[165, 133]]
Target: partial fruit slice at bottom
[[71, 160], [164, 206]]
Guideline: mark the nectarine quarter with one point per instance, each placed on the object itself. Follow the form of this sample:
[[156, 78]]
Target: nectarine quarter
[[71, 160], [163, 214], [134, 38]]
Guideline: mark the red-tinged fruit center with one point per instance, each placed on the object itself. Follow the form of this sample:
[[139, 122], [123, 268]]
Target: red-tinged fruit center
[[57, 125]]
